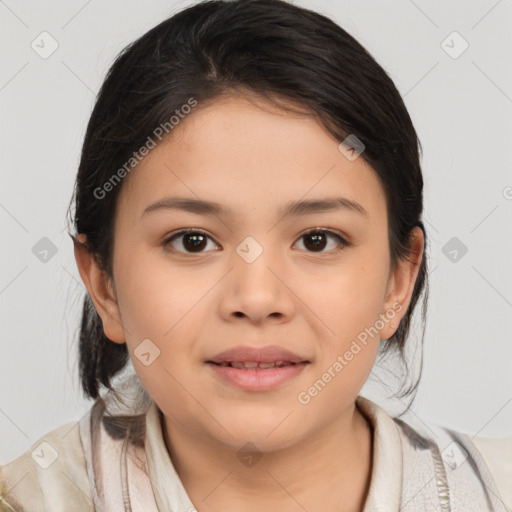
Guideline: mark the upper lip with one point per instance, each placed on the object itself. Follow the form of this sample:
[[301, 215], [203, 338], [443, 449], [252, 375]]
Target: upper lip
[[268, 354]]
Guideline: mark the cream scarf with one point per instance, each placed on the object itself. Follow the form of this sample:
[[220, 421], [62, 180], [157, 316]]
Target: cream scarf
[[409, 473], [115, 460]]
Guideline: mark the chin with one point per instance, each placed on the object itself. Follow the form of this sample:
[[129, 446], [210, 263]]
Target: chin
[[267, 436]]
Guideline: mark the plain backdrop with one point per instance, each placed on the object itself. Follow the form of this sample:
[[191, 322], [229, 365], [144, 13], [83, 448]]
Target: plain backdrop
[[458, 89]]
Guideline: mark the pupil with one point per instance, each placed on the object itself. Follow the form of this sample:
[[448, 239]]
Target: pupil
[[318, 243], [197, 241]]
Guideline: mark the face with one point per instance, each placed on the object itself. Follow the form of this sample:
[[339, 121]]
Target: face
[[252, 273]]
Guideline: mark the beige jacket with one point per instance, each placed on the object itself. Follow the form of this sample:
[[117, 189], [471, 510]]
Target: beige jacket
[[105, 463]]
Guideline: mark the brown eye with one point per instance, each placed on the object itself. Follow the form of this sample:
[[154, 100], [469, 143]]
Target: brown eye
[[317, 240], [189, 241]]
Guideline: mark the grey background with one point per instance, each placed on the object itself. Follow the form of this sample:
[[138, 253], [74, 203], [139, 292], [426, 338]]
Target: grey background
[[461, 108]]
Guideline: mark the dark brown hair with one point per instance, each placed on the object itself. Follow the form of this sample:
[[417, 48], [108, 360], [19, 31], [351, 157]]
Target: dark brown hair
[[268, 48]]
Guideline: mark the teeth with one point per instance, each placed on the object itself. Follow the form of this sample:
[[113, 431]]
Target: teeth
[[255, 364], [250, 364]]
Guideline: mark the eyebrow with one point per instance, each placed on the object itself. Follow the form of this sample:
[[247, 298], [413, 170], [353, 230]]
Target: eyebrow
[[293, 208]]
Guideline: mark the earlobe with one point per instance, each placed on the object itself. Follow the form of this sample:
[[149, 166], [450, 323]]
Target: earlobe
[[402, 281], [101, 290]]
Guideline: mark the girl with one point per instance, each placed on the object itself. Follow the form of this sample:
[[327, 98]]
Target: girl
[[248, 226]]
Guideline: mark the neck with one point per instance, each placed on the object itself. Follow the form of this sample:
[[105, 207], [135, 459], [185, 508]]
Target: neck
[[330, 467]]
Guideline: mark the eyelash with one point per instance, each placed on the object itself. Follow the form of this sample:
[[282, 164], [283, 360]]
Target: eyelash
[[342, 241]]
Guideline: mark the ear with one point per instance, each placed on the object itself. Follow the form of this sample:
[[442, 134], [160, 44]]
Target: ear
[[100, 288], [401, 283]]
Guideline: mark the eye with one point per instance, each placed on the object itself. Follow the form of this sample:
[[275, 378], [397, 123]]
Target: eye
[[196, 241], [317, 240], [191, 240]]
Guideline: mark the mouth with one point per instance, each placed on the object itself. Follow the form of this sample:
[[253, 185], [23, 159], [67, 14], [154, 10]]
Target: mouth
[[256, 376], [250, 365], [256, 368]]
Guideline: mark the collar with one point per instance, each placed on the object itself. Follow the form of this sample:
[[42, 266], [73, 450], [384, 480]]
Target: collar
[[386, 477], [170, 495]]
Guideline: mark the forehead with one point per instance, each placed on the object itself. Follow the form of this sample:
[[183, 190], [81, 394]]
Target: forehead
[[248, 155]]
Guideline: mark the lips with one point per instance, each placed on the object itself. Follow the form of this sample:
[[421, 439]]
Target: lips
[[271, 356], [257, 369], [247, 365]]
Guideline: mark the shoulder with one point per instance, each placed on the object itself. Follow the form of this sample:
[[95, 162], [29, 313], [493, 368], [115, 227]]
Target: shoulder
[[497, 454], [471, 469], [423, 465], [50, 475]]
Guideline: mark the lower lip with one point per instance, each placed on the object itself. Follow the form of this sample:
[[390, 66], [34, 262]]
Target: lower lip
[[257, 379]]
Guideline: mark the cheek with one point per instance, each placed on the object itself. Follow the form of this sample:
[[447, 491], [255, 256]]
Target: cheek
[[350, 303], [166, 305], [350, 306], [348, 298], [160, 309], [155, 297]]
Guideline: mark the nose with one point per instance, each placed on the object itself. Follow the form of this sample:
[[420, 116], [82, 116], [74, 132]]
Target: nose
[[257, 291]]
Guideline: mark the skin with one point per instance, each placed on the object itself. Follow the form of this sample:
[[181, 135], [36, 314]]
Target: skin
[[192, 305]]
